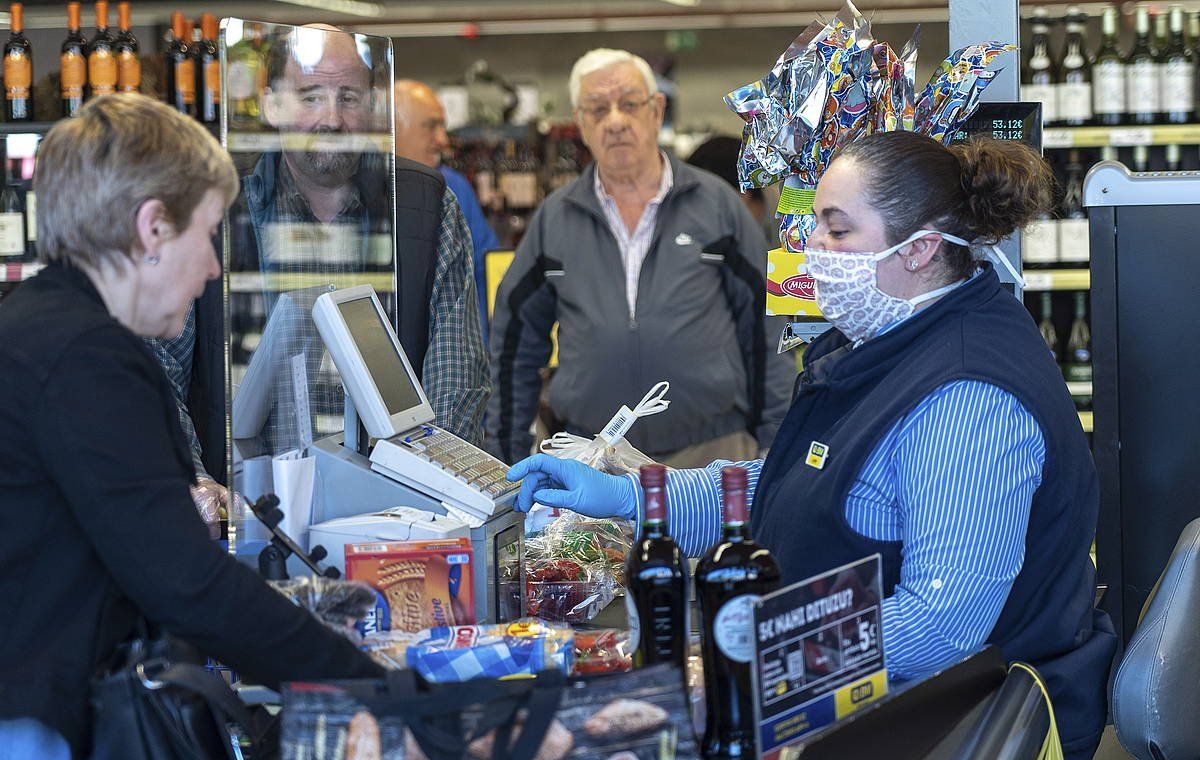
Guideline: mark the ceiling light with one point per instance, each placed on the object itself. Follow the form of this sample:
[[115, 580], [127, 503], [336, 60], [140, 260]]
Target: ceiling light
[[351, 7]]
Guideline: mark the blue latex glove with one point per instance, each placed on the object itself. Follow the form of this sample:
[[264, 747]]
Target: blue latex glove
[[567, 484]]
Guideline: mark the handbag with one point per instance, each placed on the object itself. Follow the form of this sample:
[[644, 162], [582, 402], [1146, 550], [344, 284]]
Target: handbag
[[154, 703]]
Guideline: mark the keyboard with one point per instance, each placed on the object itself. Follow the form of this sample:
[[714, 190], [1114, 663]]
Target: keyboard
[[442, 465]]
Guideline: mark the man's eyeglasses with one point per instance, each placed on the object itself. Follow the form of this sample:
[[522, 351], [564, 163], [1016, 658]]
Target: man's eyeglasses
[[594, 114]]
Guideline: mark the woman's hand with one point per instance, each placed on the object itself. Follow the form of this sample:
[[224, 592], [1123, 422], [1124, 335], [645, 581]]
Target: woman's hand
[[212, 502], [567, 484]]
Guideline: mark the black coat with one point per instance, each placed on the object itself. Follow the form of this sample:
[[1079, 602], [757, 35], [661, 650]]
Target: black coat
[[96, 522]]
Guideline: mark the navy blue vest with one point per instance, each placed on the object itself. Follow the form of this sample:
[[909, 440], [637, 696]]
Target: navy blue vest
[[848, 398]]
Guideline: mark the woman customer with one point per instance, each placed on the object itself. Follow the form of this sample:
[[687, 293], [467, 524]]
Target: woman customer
[[96, 523], [931, 426]]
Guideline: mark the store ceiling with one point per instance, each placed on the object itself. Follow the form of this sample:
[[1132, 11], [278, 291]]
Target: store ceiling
[[406, 18]]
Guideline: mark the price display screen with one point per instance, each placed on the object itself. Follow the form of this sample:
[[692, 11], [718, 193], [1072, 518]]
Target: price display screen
[[818, 654], [1017, 122]]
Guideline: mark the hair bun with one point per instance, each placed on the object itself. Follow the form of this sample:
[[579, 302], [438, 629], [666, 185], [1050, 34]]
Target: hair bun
[[1007, 185]]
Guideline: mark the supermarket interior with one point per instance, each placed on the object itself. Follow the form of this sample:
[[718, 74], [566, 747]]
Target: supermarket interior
[[628, 379]]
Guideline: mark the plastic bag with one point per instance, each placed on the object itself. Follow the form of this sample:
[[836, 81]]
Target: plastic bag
[[606, 651], [609, 452], [575, 567], [338, 604]]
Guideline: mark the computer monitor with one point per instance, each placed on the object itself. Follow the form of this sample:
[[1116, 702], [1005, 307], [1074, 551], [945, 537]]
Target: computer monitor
[[375, 371]]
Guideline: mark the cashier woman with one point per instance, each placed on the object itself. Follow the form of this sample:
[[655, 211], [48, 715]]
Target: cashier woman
[[931, 426], [97, 527]]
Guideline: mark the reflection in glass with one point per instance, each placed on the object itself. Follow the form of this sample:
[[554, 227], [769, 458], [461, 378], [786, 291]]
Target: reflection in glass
[[306, 122]]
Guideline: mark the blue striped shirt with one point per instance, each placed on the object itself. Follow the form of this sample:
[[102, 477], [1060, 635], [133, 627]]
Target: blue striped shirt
[[954, 481]]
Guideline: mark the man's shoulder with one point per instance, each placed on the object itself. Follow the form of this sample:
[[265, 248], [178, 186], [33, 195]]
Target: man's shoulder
[[415, 171]]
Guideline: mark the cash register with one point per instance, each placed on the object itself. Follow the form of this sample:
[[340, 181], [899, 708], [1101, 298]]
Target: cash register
[[393, 455]]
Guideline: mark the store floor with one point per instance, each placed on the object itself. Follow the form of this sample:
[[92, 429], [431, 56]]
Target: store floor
[[1110, 748]]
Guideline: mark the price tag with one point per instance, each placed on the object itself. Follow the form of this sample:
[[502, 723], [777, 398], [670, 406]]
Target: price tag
[[1038, 280], [1058, 138], [1131, 136]]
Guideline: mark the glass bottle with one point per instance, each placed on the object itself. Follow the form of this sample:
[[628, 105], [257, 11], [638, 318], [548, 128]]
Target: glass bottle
[[1073, 245], [1142, 80], [208, 71], [1075, 86], [1178, 72], [18, 69], [101, 56], [129, 62], [1046, 325], [1077, 368], [1040, 72], [180, 68], [1108, 74], [72, 64]]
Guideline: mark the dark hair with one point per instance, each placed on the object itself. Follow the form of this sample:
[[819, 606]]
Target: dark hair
[[982, 189], [719, 155]]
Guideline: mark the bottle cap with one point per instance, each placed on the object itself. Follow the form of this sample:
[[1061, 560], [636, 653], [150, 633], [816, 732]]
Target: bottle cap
[[733, 484], [654, 481], [653, 476]]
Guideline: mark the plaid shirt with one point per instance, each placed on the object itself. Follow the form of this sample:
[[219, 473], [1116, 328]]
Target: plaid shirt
[[292, 240]]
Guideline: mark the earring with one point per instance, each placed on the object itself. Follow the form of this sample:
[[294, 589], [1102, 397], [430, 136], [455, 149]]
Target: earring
[[151, 260], [911, 265]]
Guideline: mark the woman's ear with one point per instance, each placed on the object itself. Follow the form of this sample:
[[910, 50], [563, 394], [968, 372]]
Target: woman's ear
[[152, 226], [923, 250]]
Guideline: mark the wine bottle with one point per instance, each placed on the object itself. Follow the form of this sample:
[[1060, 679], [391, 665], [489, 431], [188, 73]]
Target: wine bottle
[[247, 75], [1078, 365], [1142, 87], [102, 56], [18, 69], [180, 69], [1174, 158], [72, 64], [1178, 82], [1073, 247], [1046, 326], [657, 578], [12, 219], [1108, 74], [1039, 243], [129, 62], [730, 577], [1075, 86], [209, 67], [1141, 158], [1040, 72]]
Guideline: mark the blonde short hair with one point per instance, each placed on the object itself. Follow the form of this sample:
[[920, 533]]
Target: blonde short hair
[[95, 170], [603, 58]]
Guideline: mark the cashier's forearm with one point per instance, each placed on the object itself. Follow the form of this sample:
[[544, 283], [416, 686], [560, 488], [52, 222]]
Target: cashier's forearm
[[694, 503]]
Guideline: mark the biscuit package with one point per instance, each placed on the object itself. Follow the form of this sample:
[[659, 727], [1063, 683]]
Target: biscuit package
[[418, 584]]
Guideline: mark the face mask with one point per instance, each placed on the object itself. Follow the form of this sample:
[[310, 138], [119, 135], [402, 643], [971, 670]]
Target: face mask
[[847, 288]]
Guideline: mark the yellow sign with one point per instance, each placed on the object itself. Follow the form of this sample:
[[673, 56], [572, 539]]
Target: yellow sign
[[853, 696], [817, 453], [495, 265], [790, 289]]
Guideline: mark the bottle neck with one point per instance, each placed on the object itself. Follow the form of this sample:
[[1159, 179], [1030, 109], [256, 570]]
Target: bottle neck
[[654, 528], [734, 531]]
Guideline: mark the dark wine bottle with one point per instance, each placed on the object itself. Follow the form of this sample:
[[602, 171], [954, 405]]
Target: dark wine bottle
[[72, 64], [18, 69], [1142, 86], [730, 577], [181, 68], [208, 83], [1075, 87], [1077, 368], [129, 62], [1046, 326], [102, 56], [12, 219], [656, 576], [1108, 74], [1039, 75], [1178, 74]]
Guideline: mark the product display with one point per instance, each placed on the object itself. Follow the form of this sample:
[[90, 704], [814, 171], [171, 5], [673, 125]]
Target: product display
[[729, 578], [418, 584]]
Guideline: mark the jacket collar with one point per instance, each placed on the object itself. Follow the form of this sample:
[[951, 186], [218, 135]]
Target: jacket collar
[[73, 277], [582, 192]]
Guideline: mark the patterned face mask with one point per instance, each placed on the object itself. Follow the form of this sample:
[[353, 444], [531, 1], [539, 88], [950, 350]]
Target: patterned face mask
[[847, 288]]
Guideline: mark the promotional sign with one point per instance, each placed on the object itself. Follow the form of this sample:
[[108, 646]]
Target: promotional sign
[[790, 290], [818, 654]]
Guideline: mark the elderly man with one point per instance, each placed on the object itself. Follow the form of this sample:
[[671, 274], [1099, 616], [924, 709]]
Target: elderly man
[[317, 209], [421, 137], [654, 271]]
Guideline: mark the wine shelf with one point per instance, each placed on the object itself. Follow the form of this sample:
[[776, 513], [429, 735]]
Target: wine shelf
[[1120, 137], [1057, 279]]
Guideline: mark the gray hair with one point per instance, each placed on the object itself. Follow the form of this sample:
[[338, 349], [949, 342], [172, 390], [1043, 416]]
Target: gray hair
[[599, 59]]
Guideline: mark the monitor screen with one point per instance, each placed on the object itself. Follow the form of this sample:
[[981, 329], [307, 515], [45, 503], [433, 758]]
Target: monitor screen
[[387, 370]]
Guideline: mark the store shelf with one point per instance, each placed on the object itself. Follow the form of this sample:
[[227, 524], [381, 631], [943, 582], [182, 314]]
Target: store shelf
[[255, 282], [26, 127], [1085, 419], [1098, 137], [266, 142], [18, 272], [1057, 279]]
